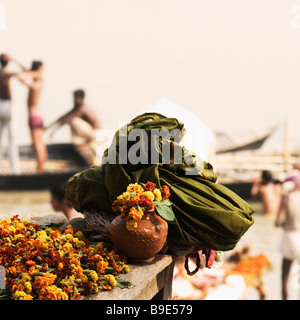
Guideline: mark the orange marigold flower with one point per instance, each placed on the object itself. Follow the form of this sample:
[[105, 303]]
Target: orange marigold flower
[[135, 214], [165, 192], [69, 230], [145, 202], [75, 261], [12, 271], [134, 187], [43, 281], [133, 201], [116, 205], [101, 266], [55, 234], [60, 266], [150, 186]]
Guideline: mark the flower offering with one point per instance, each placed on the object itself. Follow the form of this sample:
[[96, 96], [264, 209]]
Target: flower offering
[[139, 198], [53, 265]]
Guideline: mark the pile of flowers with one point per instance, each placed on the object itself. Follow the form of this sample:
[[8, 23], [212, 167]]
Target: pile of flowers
[[139, 198], [53, 265], [252, 269]]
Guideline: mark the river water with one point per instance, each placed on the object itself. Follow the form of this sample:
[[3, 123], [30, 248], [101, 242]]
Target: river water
[[263, 237]]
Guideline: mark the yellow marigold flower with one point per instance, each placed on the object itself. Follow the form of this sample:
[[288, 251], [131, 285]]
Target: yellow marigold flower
[[131, 225], [124, 197], [134, 187], [157, 194], [99, 245], [42, 236], [11, 229], [19, 226], [111, 280], [79, 235], [94, 275], [69, 237], [61, 253], [48, 230], [64, 282], [78, 243], [64, 296], [67, 247], [25, 277], [130, 187], [18, 237], [95, 288], [149, 194], [126, 268], [91, 250], [5, 222], [21, 295], [28, 287]]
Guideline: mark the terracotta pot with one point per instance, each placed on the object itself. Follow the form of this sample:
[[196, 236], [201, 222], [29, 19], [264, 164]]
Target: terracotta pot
[[142, 243]]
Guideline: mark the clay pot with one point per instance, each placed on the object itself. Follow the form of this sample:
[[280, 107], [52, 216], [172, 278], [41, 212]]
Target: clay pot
[[142, 243]]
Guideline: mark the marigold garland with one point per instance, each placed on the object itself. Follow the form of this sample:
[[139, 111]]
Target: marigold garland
[[53, 265]]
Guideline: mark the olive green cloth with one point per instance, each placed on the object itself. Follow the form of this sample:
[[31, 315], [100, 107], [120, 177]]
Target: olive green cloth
[[207, 214]]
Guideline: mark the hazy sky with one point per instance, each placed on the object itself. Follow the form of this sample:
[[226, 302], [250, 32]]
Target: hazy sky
[[234, 63]]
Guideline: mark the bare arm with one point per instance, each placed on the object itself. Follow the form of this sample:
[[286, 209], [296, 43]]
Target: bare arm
[[18, 63], [31, 85], [281, 211], [67, 117], [255, 187]]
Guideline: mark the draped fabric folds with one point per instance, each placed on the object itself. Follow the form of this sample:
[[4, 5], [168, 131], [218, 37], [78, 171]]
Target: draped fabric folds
[[207, 214]]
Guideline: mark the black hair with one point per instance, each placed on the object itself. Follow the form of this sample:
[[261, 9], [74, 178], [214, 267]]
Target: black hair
[[79, 93], [58, 192], [35, 65], [3, 61], [267, 176]]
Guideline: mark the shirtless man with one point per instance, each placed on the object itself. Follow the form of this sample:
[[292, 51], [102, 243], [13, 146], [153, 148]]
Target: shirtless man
[[35, 120], [6, 111], [269, 192], [84, 124]]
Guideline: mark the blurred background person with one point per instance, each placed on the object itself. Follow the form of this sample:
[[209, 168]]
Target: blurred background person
[[288, 217], [269, 191], [84, 125], [60, 204], [36, 125], [6, 112]]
